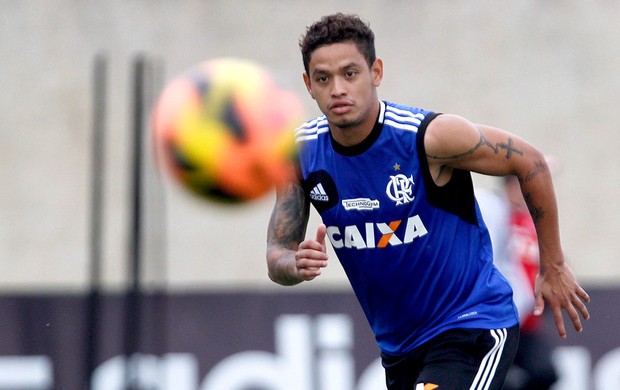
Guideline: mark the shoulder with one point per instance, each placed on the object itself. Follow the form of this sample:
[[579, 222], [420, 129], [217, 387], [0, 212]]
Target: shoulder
[[311, 130], [449, 134], [447, 124], [404, 116], [404, 110]]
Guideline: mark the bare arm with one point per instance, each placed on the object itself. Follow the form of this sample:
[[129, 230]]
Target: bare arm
[[290, 258], [454, 143]]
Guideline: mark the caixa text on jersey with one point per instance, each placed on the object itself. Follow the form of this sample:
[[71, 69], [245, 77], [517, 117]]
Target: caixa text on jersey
[[376, 235]]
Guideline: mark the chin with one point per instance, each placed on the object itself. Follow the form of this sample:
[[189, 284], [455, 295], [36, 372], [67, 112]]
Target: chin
[[343, 122]]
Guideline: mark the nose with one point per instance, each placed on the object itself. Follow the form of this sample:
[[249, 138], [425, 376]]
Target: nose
[[339, 87]]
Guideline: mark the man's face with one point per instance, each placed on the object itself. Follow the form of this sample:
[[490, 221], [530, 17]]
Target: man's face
[[343, 85]]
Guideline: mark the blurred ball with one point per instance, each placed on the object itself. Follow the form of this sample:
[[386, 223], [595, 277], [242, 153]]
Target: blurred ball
[[225, 130]]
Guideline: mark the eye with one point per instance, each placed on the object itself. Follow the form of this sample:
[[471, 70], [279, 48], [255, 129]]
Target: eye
[[350, 73], [321, 79]]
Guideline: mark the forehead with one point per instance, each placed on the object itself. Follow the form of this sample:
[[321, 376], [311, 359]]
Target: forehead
[[335, 56]]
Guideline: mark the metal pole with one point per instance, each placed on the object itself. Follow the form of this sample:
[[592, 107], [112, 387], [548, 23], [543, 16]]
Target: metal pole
[[133, 305], [96, 220]]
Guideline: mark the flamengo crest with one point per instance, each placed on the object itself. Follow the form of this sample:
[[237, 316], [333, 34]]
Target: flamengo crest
[[400, 189]]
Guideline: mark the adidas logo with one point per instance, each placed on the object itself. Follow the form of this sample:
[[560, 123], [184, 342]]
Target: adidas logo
[[318, 193]]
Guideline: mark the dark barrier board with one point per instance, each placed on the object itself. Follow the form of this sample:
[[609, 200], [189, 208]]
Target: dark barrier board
[[286, 340]]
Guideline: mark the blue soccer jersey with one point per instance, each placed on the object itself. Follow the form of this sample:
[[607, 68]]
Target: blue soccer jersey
[[418, 256]]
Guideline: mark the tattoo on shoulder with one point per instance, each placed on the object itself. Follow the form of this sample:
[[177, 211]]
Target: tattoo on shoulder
[[507, 146]]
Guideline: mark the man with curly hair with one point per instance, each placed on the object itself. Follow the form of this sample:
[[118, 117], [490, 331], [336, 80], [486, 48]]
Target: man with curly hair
[[393, 187]]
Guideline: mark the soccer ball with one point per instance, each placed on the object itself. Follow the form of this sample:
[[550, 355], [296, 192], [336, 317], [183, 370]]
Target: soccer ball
[[224, 130]]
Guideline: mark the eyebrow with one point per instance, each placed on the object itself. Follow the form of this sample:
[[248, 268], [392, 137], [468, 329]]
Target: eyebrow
[[350, 65]]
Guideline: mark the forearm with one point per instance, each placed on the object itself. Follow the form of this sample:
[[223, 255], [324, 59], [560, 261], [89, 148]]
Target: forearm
[[287, 228], [539, 196]]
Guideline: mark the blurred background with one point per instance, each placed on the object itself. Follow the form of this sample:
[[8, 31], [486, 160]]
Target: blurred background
[[201, 305]]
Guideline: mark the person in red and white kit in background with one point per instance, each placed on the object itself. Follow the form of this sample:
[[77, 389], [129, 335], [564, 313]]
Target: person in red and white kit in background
[[516, 254]]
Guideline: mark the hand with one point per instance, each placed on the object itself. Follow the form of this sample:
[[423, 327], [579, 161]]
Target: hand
[[311, 255], [560, 289]]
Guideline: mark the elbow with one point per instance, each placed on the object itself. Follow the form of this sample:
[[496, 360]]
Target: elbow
[[271, 273], [535, 166], [276, 279], [282, 280], [279, 270], [272, 276]]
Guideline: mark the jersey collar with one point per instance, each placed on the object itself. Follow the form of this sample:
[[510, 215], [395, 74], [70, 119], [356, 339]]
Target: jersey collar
[[367, 142]]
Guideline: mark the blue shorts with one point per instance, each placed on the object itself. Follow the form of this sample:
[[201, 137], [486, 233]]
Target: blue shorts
[[475, 359]]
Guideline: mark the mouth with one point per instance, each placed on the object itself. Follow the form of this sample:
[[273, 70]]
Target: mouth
[[340, 107]]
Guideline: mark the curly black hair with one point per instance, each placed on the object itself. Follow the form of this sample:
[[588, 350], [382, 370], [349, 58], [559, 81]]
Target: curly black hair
[[338, 28]]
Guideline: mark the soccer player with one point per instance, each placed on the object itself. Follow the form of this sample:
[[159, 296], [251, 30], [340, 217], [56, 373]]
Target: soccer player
[[393, 187]]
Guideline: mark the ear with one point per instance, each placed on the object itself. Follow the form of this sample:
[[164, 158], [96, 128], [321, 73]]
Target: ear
[[308, 83], [377, 72]]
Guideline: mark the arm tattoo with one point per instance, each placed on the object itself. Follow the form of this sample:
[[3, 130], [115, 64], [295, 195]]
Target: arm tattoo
[[539, 167], [483, 142], [287, 227], [537, 213]]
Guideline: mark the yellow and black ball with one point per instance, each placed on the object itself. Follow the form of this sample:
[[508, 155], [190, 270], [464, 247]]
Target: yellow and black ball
[[224, 130]]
